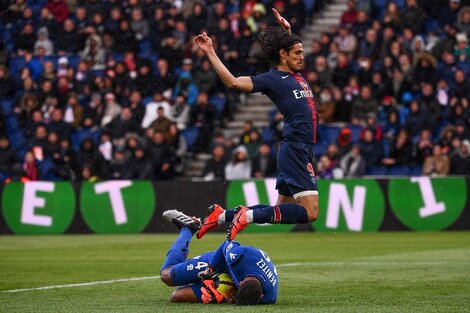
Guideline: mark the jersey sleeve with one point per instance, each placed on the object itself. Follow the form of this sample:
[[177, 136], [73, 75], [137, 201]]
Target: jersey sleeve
[[217, 261], [261, 82]]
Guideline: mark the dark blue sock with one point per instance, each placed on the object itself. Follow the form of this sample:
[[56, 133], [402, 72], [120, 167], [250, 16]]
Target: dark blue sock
[[179, 250], [286, 213]]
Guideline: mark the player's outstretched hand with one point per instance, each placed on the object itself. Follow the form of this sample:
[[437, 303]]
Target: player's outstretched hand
[[210, 293], [204, 42], [282, 21]]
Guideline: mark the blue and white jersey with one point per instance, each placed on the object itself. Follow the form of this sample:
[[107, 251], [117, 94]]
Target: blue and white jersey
[[241, 261], [293, 97]]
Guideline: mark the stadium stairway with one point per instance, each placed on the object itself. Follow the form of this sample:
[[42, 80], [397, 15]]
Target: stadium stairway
[[257, 107]]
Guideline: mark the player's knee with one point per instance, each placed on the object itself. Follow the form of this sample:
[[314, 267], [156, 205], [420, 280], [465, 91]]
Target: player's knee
[[175, 296], [166, 277], [312, 214]]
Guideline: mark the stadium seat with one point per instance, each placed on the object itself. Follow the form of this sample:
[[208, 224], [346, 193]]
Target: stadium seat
[[219, 103], [375, 171], [416, 170], [16, 65], [17, 139], [355, 132], [398, 170], [80, 135], [386, 146], [190, 134], [147, 100], [267, 134], [73, 60], [7, 106]]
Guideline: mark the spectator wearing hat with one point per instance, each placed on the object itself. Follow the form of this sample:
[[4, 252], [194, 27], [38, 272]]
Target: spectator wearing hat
[[94, 53], [112, 109], [344, 141], [462, 48], [186, 86], [43, 42], [239, 166]]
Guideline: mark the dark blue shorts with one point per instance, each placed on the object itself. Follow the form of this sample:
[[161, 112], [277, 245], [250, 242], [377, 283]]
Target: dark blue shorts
[[296, 175]]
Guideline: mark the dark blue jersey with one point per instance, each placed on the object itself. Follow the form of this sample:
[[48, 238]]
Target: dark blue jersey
[[241, 261], [294, 99]]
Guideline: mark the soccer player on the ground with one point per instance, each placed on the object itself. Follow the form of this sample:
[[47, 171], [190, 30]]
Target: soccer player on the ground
[[296, 183], [250, 269]]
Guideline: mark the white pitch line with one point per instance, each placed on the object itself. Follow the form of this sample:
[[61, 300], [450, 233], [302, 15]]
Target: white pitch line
[[92, 283], [279, 265]]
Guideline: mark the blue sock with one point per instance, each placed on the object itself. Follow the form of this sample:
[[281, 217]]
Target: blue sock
[[179, 250], [286, 213]]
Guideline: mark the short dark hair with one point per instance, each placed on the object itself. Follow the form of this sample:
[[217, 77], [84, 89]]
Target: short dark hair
[[274, 39], [249, 293]]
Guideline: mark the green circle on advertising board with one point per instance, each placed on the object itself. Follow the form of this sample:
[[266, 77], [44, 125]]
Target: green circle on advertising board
[[350, 205], [424, 203], [119, 206], [38, 207], [252, 192]]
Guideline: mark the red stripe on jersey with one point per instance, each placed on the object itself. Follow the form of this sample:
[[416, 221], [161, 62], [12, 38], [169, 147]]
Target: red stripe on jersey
[[277, 215], [311, 103]]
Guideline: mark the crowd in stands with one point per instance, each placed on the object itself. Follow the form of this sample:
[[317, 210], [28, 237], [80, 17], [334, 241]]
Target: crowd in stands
[[110, 89], [392, 92]]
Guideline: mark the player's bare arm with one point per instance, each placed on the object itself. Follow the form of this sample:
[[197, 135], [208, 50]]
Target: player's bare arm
[[282, 21], [242, 83]]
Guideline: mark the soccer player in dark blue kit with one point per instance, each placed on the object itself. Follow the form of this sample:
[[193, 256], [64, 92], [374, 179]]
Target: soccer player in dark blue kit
[[296, 183], [250, 269]]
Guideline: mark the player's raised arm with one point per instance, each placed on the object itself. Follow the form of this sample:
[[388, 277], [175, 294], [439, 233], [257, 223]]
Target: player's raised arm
[[282, 21], [242, 83]]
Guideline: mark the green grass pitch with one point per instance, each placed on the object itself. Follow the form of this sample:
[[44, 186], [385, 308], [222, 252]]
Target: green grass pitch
[[318, 272]]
